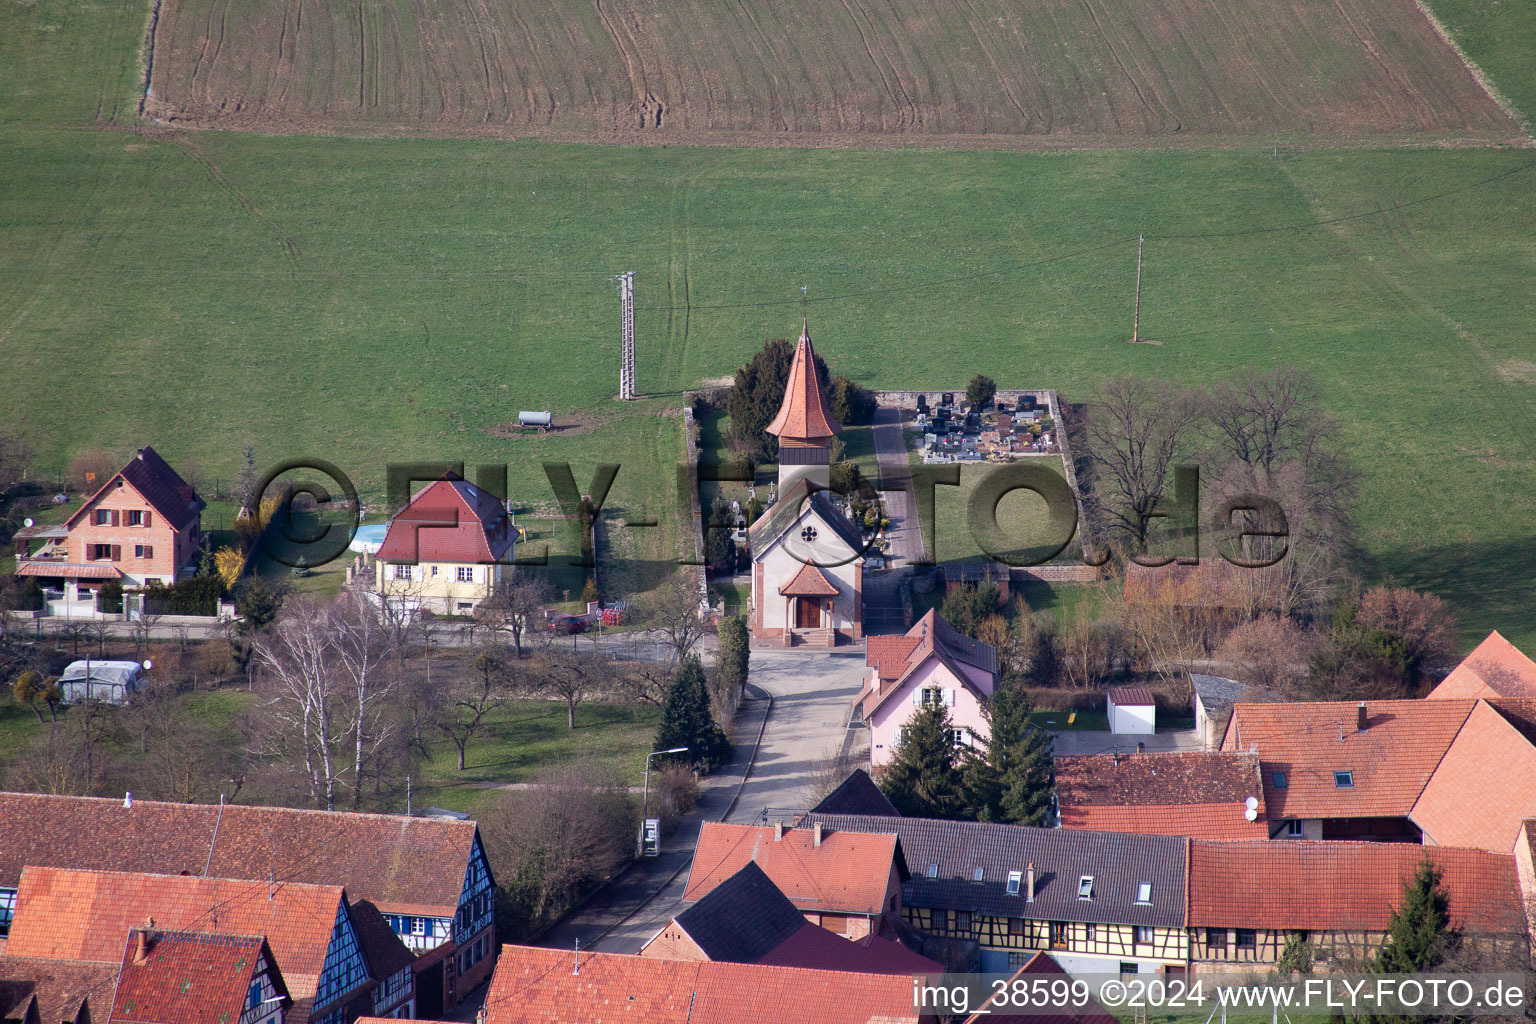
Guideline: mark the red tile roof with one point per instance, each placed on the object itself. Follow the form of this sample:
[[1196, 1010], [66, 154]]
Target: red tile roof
[[815, 947], [70, 570], [810, 581], [552, 986], [86, 915], [1326, 885], [188, 978], [1201, 794], [171, 497], [382, 948], [405, 865], [896, 657], [1482, 789], [804, 414], [1043, 964], [59, 988], [1390, 761], [848, 873], [1495, 668], [449, 520]]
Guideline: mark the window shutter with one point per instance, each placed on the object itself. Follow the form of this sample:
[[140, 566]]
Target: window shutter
[[117, 550], [917, 697], [949, 697], [149, 552], [115, 517], [145, 520]]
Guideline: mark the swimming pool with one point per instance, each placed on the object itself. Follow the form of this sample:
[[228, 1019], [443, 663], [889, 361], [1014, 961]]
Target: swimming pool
[[368, 539]]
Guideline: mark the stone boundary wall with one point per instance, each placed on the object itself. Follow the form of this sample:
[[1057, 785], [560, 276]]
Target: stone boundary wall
[[908, 399]]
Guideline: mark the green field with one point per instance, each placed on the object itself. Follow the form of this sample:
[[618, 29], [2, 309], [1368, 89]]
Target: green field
[[371, 299]]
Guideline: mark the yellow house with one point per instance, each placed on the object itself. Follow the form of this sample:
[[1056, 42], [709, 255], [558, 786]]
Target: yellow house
[[446, 550]]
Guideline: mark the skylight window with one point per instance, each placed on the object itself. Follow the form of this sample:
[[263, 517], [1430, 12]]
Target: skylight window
[[976, 875], [1344, 779], [1144, 892], [1013, 882], [1280, 780], [933, 871], [1085, 887]]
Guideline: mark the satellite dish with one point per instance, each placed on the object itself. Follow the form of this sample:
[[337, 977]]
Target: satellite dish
[[27, 521], [148, 664], [1251, 813], [1252, 803]]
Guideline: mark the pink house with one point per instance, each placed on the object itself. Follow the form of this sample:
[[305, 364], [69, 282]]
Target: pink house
[[930, 664]]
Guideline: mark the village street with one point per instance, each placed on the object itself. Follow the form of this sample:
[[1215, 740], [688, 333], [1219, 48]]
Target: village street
[[801, 705], [904, 534]]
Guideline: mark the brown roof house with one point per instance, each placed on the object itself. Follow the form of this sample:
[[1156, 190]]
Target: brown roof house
[[88, 915], [446, 550], [807, 555], [847, 882], [932, 664], [747, 920], [1495, 668], [38, 990], [143, 524], [1204, 794], [557, 986], [429, 877], [1247, 900], [169, 977]]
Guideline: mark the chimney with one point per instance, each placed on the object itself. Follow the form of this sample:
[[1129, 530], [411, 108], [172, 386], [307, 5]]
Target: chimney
[[1360, 717], [128, 798], [816, 835], [142, 941], [1030, 879], [1141, 748], [778, 831]]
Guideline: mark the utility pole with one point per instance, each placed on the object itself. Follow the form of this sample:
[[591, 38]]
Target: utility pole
[[626, 282], [1141, 241]]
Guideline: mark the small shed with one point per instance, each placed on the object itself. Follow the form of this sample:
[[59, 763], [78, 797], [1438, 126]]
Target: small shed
[[1132, 711], [111, 681]]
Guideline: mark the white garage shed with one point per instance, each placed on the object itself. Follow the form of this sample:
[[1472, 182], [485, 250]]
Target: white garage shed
[[1132, 711]]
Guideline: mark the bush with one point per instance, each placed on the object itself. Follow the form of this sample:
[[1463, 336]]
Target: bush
[[674, 792], [980, 391], [21, 594], [109, 599], [197, 596]]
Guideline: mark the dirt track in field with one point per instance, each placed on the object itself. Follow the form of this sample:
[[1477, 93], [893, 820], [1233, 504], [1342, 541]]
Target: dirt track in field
[[823, 72]]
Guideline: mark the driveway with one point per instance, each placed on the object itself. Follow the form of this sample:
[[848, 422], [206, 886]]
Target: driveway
[[905, 535], [812, 695], [1072, 742]]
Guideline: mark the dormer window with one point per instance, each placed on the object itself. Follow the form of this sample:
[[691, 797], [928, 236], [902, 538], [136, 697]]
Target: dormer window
[[976, 875], [1344, 779], [1014, 877], [1280, 780], [933, 871], [1085, 887], [1144, 892]]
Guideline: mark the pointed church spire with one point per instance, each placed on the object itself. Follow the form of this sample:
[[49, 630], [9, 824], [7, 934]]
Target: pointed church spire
[[804, 415]]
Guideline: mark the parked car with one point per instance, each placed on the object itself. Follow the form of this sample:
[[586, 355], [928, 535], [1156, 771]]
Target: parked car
[[567, 624]]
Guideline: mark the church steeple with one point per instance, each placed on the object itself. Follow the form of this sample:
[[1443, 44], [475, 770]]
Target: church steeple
[[805, 425]]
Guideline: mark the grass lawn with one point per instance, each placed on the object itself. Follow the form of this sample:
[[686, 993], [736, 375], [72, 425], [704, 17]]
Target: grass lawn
[[1081, 721], [1499, 36], [529, 737], [368, 300]]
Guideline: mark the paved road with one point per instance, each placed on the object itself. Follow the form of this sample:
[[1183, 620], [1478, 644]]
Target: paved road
[[812, 697], [904, 534]]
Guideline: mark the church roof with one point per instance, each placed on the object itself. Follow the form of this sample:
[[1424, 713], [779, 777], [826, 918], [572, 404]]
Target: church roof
[[809, 582], [805, 414], [786, 512]]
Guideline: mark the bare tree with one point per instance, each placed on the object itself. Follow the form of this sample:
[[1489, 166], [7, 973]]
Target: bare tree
[[1271, 652], [515, 606], [296, 654], [569, 676], [1086, 649], [361, 646], [1137, 432], [53, 765], [1172, 623], [462, 706], [672, 609]]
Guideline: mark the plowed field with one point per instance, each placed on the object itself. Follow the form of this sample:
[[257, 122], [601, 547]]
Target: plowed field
[[821, 72]]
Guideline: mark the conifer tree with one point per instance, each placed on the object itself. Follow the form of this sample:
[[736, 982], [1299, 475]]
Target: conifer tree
[[926, 777], [1020, 755], [686, 720], [1420, 937]]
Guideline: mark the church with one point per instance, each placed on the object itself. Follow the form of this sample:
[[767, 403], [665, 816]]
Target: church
[[807, 555]]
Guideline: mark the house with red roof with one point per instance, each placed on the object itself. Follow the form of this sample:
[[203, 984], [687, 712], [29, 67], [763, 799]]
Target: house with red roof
[[847, 882], [807, 555], [1495, 668], [533, 985], [1247, 900], [87, 915], [143, 524], [171, 977], [36, 990], [446, 550], [1012, 1003], [1440, 772], [932, 664], [1203, 794]]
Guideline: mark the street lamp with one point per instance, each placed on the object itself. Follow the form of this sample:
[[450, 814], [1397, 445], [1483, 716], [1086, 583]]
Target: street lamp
[[645, 804]]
